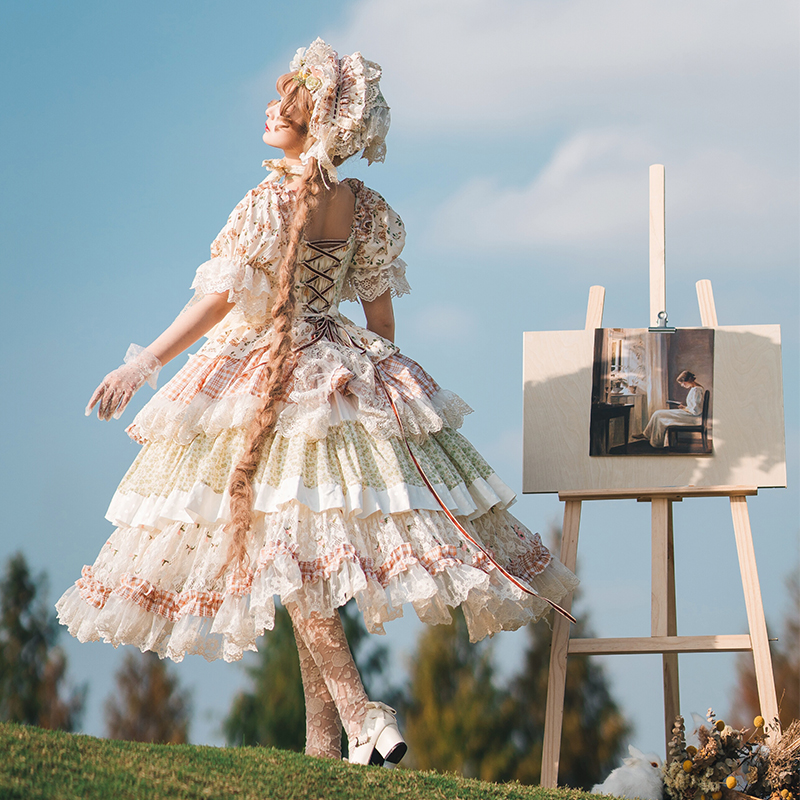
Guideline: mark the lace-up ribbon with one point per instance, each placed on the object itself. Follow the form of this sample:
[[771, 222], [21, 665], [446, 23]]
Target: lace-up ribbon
[[327, 326]]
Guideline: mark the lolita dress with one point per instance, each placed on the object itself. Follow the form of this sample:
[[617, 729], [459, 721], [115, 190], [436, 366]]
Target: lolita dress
[[341, 508]]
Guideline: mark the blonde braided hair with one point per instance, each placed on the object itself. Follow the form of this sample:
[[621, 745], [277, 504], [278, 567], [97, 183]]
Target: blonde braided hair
[[296, 105]]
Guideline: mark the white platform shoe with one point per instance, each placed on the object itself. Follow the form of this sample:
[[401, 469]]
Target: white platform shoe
[[380, 740]]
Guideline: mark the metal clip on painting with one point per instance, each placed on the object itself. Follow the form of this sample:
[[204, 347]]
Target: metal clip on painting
[[662, 324]]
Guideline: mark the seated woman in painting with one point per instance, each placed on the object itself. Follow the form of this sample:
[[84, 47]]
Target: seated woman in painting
[[688, 413]]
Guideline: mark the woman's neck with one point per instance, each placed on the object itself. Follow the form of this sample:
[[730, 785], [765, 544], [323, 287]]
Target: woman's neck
[[292, 160]]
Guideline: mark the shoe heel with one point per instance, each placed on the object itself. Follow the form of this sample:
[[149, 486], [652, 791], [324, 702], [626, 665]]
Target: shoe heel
[[390, 744]]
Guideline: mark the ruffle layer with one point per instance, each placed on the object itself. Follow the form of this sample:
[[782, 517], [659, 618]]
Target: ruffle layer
[[329, 368], [370, 284], [349, 470], [202, 505], [159, 591], [330, 383], [248, 287]]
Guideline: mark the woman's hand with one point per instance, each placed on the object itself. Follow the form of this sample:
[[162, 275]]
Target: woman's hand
[[117, 388]]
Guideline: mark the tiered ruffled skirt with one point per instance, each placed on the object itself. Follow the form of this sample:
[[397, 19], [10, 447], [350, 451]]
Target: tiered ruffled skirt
[[341, 511]]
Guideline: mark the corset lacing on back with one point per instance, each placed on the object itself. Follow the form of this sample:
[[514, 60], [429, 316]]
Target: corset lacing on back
[[319, 289]]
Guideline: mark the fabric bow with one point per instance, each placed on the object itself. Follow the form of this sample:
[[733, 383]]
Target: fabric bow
[[282, 169]]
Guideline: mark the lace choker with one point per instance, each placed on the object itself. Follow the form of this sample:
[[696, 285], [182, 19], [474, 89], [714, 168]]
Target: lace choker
[[281, 169]]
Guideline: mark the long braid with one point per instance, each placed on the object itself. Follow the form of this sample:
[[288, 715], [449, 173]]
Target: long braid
[[281, 364]]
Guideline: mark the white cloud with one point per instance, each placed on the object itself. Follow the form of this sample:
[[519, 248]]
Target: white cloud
[[588, 191], [594, 192], [523, 60], [709, 89]]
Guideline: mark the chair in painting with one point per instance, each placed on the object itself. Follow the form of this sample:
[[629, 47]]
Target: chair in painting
[[675, 431]]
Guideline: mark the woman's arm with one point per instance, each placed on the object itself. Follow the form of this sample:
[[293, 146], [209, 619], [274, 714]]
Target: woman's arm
[[694, 400], [189, 326], [117, 388], [380, 315]]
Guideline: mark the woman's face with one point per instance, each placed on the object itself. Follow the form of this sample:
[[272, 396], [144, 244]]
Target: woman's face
[[280, 132]]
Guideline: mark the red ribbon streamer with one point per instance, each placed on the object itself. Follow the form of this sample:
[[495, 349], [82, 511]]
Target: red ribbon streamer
[[327, 327], [451, 517]]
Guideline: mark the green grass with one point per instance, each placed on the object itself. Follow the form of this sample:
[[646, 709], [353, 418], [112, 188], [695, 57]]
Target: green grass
[[36, 764]]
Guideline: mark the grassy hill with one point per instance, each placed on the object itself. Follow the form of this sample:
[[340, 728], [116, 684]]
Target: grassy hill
[[36, 764]]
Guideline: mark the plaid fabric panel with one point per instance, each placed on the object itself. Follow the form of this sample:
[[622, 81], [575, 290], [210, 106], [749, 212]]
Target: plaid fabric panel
[[396, 562], [480, 561], [146, 596], [440, 558], [240, 582], [199, 604], [91, 590], [223, 376], [405, 378], [323, 567], [219, 377], [530, 564]]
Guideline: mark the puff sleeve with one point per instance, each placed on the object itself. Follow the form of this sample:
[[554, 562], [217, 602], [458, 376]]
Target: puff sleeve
[[376, 265], [694, 400], [242, 254]]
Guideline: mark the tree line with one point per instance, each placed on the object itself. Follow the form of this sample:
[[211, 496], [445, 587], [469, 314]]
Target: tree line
[[458, 714]]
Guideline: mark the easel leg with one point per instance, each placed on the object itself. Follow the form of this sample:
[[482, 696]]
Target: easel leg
[[663, 620], [554, 710], [672, 702], [755, 612]]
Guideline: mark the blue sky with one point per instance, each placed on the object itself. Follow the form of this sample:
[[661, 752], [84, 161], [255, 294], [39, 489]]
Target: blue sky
[[519, 157]]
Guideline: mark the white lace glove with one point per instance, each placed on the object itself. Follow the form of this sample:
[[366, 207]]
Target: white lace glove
[[117, 388]]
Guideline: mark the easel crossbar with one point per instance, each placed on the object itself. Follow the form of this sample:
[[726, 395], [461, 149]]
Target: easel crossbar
[[633, 645], [670, 493]]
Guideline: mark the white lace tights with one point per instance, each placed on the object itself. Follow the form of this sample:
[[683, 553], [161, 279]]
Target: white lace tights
[[334, 694]]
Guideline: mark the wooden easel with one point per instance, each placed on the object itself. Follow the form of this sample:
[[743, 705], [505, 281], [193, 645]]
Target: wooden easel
[[663, 628]]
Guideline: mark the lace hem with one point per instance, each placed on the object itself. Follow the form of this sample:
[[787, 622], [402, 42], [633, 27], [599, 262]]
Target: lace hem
[[369, 284], [171, 603]]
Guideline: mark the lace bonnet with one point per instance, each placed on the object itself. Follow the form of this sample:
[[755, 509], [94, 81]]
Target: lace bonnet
[[350, 113]]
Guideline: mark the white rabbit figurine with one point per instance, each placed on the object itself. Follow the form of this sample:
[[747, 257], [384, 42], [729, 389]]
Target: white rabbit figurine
[[639, 776]]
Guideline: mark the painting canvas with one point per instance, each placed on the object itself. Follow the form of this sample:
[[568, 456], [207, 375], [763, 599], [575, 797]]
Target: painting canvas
[[746, 412], [652, 392]]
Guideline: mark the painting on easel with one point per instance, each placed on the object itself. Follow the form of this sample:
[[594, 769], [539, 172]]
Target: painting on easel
[[652, 392]]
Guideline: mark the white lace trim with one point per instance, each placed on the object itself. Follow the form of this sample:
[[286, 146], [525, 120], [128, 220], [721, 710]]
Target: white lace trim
[[202, 505], [369, 284], [330, 383], [246, 286], [328, 367], [163, 419], [158, 591]]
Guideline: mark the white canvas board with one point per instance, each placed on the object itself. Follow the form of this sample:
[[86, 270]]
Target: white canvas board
[[749, 441]]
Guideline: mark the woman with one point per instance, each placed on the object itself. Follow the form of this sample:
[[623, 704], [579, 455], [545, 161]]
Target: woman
[[298, 454], [687, 413]]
